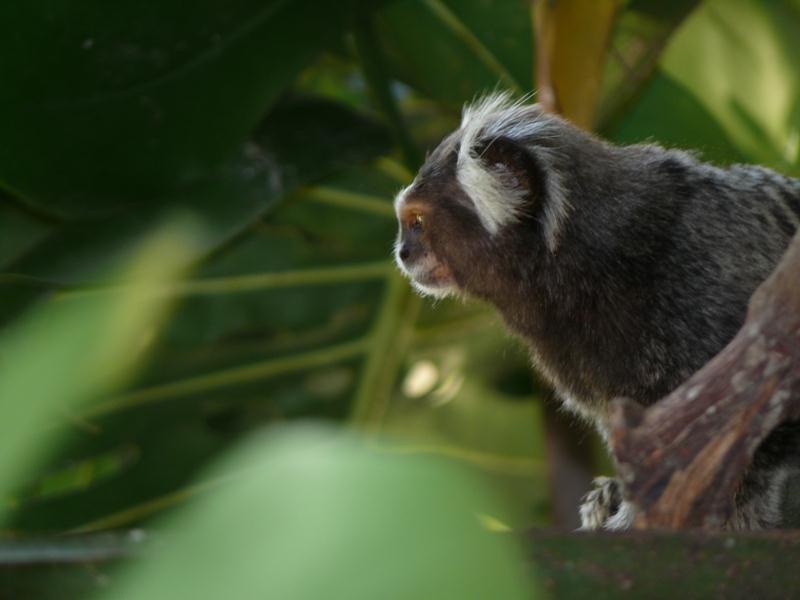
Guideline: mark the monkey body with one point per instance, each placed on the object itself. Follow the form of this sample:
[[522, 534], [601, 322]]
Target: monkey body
[[652, 275], [625, 269]]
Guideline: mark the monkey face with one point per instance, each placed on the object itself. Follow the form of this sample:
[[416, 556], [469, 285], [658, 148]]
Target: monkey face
[[416, 257], [450, 234], [486, 203]]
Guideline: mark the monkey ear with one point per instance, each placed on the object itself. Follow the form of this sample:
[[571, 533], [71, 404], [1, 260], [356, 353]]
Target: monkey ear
[[512, 164]]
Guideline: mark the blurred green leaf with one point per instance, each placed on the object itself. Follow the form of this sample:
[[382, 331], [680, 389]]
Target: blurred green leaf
[[19, 231], [690, 124], [300, 141], [314, 515], [117, 106], [640, 35], [470, 46], [70, 350], [741, 59], [213, 371], [727, 85]]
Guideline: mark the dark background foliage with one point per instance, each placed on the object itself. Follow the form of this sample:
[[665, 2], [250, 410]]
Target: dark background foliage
[[284, 128]]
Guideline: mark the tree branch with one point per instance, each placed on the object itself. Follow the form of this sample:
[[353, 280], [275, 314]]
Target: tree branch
[[683, 459]]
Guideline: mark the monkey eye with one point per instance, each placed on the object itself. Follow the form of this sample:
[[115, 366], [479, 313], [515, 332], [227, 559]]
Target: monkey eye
[[416, 222]]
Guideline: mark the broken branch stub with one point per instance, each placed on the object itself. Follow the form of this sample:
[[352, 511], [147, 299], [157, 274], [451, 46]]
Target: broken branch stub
[[683, 458]]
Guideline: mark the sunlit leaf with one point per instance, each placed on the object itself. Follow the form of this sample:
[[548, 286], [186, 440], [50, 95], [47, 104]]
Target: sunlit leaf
[[734, 62], [641, 33]]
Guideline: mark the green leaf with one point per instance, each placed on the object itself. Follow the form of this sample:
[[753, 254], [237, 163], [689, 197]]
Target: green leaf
[[640, 35], [71, 350], [727, 85], [274, 326], [311, 515], [690, 125], [118, 106], [740, 59], [19, 231], [470, 46], [300, 141]]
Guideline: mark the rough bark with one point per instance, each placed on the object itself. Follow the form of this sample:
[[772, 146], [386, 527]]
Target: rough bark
[[683, 458], [651, 564]]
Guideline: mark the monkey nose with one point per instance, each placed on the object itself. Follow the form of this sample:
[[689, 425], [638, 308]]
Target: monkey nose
[[404, 252]]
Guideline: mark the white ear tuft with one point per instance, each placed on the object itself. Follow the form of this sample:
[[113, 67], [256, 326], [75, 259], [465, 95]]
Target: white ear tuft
[[496, 202]]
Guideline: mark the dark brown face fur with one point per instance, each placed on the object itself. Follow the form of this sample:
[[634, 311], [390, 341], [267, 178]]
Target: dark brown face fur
[[434, 215], [442, 246]]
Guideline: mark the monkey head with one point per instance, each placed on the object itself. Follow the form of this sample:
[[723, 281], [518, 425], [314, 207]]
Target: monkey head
[[485, 202]]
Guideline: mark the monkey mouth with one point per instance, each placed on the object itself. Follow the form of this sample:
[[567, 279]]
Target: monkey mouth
[[436, 281], [428, 276]]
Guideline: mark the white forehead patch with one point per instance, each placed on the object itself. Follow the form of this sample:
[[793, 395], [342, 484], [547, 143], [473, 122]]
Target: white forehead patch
[[400, 198]]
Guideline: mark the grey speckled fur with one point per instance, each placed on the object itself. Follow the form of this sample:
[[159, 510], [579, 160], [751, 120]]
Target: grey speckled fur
[[639, 275]]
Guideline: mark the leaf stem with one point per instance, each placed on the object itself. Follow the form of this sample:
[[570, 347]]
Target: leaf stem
[[394, 169], [348, 200], [262, 281], [233, 376], [391, 337], [509, 465]]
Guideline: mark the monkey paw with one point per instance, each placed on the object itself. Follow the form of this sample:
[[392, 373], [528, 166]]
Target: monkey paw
[[604, 508]]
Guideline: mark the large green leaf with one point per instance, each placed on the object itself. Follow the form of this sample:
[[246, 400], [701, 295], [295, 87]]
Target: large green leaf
[[301, 140], [727, 85], [641, 32], [44, 376], [740, 60], [690, 125], [312, 515], [470, 46], [244, 348], [101, 108]]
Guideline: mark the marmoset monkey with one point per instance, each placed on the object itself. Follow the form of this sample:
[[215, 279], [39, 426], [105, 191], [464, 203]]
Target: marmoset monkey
[[624, 268]]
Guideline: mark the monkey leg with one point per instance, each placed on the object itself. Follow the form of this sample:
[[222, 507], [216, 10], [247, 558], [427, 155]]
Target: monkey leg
[[604, 508]]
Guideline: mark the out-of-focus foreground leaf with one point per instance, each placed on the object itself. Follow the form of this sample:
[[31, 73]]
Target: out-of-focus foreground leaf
[[73, 349], [274, 326], [310, 514]]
